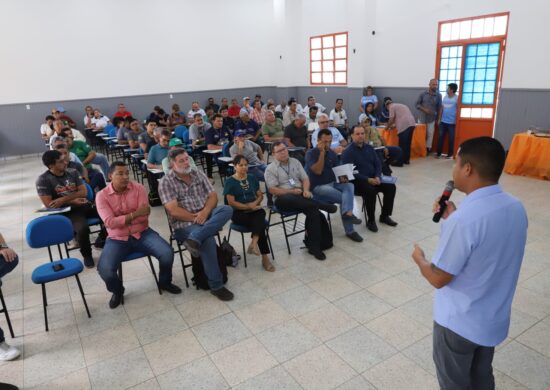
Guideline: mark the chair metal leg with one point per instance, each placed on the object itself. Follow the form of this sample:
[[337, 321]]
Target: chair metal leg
[[180, 251], [83, 297], [229, 235], [154, 274], [244, 250], [44, 304], [269, 243], [121, 283], [285, 233], [5, 311]]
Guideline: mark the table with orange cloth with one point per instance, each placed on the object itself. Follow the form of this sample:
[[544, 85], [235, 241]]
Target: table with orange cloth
[[418, 145], [529, 155]]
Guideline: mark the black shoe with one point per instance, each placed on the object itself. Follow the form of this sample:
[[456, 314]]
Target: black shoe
[[317, 253], [171, 288], [116, 299], [354, 236], [223, 294], [193, 247], [371, 225], [387, 220], [89, 261], [351, 218], [407, 162], [329, 208]]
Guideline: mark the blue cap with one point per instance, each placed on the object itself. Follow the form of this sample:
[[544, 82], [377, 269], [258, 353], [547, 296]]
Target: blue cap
[[240, 133]]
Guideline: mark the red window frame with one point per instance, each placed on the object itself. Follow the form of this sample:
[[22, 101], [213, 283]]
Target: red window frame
[[334, 59]]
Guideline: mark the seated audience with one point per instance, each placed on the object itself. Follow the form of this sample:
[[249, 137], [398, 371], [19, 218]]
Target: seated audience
[[198, 130], [60, 115], [46, 128], [338, 143], [369, 112], [401, 118], [94, 178], [159, 116], [175, 143], [191, 203], [250, 127], [122, 112], [124, 208], [272, 128], [8, 261], [159, 151], [312, 118], [389, 154], [319, 163], [228, 122], [134, 133], [339, 119], [367, 181], [242, 192], [195, 109], [289, 184], [291, 113], [311, 102], [257, 98], [368, 97], [122, 131], [85, 153], [59, 126], [99, 121], [88, 125], [282, 107], [234, 110], [256, 113], [176, 118], [212, 105], [246, 107], [251, 151], [215, 138], [147, 139], [61, 187]]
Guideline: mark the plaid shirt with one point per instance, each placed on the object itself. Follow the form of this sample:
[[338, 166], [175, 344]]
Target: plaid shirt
[[190, 197]]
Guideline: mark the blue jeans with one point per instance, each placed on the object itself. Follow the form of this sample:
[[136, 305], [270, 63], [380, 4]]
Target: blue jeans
[[258, 171], [102, 161], [6, 267], [204, 234], [115, 251], [341, 193], [445, 128]]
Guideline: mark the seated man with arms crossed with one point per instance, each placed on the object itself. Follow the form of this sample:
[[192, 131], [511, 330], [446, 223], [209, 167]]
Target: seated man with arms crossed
[[319, 163], [61, 187], [191, 201], [367, 181], [287, 181], [124, 208]]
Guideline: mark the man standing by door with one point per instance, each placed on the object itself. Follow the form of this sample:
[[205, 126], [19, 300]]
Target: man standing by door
[[429, 105]]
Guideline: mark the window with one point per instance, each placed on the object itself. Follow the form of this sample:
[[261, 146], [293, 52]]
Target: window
[[480, 73], [482, 27], [329, 59], [449, 67]]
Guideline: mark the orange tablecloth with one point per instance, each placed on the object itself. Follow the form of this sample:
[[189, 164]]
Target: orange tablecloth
[[418, 145], [529, 156]]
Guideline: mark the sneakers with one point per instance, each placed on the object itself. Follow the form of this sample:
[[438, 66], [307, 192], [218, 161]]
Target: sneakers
[[329, 208], [171, 288], [8, 352], [193, 247], [116, 299], [222, 294], [371, 225], [317, 253], [387, 220], [351, 218], [89, 261], [354, 236]]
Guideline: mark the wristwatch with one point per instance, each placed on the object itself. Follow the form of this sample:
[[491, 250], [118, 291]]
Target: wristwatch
[[4, 246]]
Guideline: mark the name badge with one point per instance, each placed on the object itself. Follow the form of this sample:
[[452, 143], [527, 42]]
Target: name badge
[[292, 182]]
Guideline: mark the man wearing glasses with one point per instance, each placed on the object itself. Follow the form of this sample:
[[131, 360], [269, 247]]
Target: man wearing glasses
[[338, 143]]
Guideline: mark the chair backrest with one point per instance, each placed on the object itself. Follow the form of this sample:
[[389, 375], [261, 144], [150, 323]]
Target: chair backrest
[[225, 149], [179, 132], [49, 230], [90, 195], [110, 129]]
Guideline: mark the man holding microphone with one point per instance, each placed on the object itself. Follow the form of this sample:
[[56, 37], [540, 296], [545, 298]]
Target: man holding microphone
[[475, 268]]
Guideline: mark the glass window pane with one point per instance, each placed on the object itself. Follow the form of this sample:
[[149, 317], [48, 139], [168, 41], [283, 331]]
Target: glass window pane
[[445, 34], [341, 40], [341, 65], [480, 74], [478, 86], [477, 98], [494, 49], [468, 86], [488, 27], [491, 74], [455, 31], [316, 66], [316, 77], [489, 86], [340, 77], [465, 29], [328, 66], [443, 74], [445, 52], [328, 77], [500, 25], [470, 62], [452, 74], [492, 61], [465, 112], [328, 54], [459, 51], [340, 52], [316, 55], [316, 43], [444, 63], [476, 113], [452, 63], [469, 74], [477, 28], [328, 41], [453, 52], [481, 62], [488, 98], [486, 112], [471, 50], [466, 98], [482, 50]]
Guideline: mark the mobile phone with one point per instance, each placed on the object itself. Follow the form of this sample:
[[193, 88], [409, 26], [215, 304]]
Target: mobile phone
[[58, 267]]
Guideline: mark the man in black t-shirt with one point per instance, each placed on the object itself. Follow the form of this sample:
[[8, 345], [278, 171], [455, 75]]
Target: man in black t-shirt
[[59, 187], [296, 135]]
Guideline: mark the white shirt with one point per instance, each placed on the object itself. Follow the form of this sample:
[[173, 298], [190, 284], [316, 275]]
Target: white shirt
[[338, 118], [100, 123], [191, 114], [319, 106], [336, 137], [45, 129]]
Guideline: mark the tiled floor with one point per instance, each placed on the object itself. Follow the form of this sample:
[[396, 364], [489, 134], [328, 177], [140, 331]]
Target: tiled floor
[[359, 320]]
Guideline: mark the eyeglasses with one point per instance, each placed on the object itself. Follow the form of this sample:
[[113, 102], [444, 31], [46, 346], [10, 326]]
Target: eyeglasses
[[321, 122], [280, 151]]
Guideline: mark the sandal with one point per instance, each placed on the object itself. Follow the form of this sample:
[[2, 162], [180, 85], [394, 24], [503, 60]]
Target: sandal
[[268, 266], [253, 250]]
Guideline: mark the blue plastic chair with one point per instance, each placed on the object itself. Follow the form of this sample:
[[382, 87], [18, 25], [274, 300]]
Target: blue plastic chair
[[179, 132], [110, 129], [47, 231], [90, 196], [243, 230]]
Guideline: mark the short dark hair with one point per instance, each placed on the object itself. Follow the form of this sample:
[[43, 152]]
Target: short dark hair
[[150, 121], [238, 158], [339, 99], [291, 100], [116, 164], [314, 108], [323, 132], [50, 157], [60, 146], [278, 143], [356, 127], [198, 114], [216, 116], [453, 87], [224, 107], [486, 155], [369, 104], [165, 133], [117, 120], [50, 118]]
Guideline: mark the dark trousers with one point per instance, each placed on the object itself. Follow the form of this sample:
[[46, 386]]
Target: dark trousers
[[460, 363], [209, 164], [297, 203], [79, 217], [369, 192], [6, 267], [446, 128], [255, 221], [405, 141]]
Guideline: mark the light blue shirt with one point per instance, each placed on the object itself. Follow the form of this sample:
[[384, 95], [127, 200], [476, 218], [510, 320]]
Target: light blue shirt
[[336, 137], [448, 114], [482, 245]]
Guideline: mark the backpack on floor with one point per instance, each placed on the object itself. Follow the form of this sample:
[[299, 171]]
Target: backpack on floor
[[326, 233], [228, 254], [199, 278]]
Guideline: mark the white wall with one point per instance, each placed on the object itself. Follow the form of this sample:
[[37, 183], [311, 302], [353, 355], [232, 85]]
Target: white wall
[[69, 49]]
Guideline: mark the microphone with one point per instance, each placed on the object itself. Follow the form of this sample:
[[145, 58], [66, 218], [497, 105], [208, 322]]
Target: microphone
[[449, 187]]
